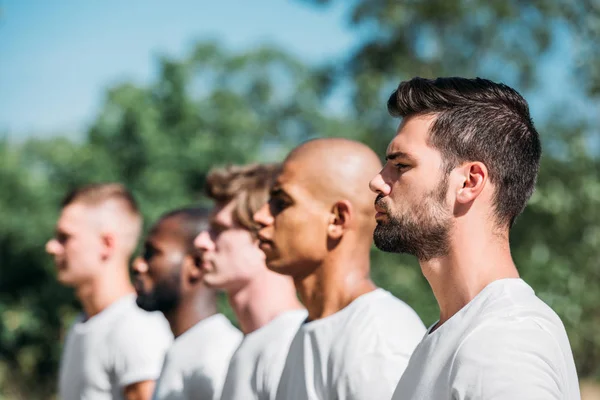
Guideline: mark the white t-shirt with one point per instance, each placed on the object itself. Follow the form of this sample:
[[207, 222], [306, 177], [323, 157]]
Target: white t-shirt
[[256, 367], [196, 364], [119, 346], [358, 353], [505, 344]]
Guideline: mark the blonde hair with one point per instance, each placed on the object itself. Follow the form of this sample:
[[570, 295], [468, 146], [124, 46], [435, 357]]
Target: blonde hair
[[247, 185], [98, 194]]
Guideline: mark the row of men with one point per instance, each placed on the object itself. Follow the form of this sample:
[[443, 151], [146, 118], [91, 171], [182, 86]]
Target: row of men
[[459, 170]]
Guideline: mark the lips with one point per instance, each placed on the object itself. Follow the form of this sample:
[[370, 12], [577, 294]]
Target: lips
[[265, 245], [198, 259], [380, 210], [206, 265], [380, 206], [60, 264], [263, 240]]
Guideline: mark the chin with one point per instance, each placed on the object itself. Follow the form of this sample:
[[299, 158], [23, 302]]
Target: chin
[[214, 281], [280, 267], [66, 280], [145, 304]]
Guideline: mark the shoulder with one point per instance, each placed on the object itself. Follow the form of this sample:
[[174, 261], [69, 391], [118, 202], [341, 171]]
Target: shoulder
[[386, 318], [273, 338], [377, 341], [209, 343], [137, 330], [142, 325], [511, 353], [138, 342]]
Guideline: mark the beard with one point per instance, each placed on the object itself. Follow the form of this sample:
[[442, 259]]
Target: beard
[[164, 297], [424, 232]]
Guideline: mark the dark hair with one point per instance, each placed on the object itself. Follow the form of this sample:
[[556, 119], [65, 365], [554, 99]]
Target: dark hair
[[478, 120], [192, 220], [248, 185]]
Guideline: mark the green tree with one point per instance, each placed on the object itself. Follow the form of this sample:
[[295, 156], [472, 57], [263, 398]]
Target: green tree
[[211, 108]]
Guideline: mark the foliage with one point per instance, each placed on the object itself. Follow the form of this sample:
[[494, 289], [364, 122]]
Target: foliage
[[216, 107], [210, 109]]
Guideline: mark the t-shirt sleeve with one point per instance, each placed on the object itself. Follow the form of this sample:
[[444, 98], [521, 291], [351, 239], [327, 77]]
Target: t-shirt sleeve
[[379, 353], [140, 346], [521, 361]]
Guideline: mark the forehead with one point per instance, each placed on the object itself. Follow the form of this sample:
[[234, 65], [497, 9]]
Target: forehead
[[167, 230], [412, 137], [296, 179], [223, 213], [75, 216]]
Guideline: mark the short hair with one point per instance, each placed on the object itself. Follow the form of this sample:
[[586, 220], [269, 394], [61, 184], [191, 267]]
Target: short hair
[[192, 220], [96, 194], [479, 120], [248, 185]]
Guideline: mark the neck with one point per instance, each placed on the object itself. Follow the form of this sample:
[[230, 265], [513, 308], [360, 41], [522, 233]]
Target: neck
[[192, 310], [104, 290], [473, 262], [341, 278], [263, 299]]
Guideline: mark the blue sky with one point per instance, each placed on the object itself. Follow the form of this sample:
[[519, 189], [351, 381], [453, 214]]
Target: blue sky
[[57, 57]]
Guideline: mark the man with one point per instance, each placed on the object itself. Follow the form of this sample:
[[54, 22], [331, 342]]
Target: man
[[459, 171], [317, 228], [265, 303], [168, 278], [114, 350]]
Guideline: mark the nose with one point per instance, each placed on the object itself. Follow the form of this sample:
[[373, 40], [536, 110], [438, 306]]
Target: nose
[[140, 266], [263, 216], [379, 186], [53, 247], [204, 242]]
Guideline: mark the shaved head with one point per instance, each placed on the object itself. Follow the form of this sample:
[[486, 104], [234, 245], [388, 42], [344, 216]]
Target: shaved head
[[110, 207], [320, 207], [336, 169], [99, 225]]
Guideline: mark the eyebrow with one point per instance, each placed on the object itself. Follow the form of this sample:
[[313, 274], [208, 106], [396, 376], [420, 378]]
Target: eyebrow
[[60, 232], [398, 154], [277, 191], [214, 223]]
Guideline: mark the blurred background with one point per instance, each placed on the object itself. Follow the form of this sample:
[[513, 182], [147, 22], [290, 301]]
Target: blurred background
[[154, 93]]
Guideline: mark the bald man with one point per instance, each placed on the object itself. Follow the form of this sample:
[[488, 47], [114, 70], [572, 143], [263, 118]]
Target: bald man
[[114, 350], [317, 227]]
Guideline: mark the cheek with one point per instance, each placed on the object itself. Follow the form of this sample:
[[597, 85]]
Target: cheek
[[233, 249], [407, 191], [77, 254], [300, 233]]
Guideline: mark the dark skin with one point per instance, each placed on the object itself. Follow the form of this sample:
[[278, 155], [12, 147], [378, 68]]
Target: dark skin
[[319, 222], [169, 260]]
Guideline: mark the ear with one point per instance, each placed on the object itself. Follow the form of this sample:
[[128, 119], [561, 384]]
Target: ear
[[475, 175], [340, 218], [108, 243], [192, 272]]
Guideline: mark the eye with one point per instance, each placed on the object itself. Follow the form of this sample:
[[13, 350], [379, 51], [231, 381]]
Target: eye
[[277, 205], [149, 252], [400, 167], [62, 238], [215, 230]]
